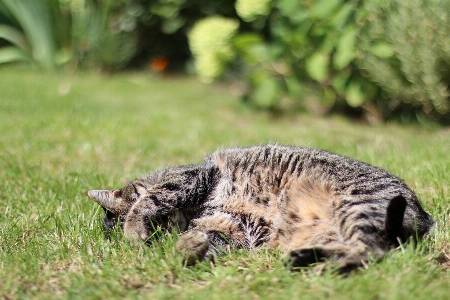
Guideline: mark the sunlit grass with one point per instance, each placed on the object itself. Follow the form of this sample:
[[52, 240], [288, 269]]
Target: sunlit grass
[[63, 135]]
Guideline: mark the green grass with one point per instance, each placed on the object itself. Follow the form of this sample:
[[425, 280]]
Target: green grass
[[63, 135]]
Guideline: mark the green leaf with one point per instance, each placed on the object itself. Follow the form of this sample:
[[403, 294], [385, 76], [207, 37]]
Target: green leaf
[[294, 87], [267, 92], [328, 44], [287, 7], [35, 20], [293, 9], [12, 54], [243, 41], [329, 97], [323, 9], [340, 19], [258, 53], [62, 57], [14, 36], [345, 51], [382, 50], [339, 82], [276, 50], [167, 11], [250, 47], [355, 96], [172, 25], [317, 66]]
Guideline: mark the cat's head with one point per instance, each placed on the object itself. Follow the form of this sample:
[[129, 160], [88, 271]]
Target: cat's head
[[117, 204]]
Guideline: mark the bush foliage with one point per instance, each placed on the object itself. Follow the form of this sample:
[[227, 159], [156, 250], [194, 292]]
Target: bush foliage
[[407, 58], [373, 56]]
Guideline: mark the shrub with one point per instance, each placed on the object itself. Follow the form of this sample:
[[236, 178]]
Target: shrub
[[29, 32], [49, 33], [103, 33], [294, 43], [373, 55], [404, 50]]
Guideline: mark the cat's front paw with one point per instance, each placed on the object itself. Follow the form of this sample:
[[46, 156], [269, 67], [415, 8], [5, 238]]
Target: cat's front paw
[[193, 245], [135, 233]]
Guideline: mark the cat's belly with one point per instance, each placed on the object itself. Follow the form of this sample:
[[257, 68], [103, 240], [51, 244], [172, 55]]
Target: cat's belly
[[285, 216]]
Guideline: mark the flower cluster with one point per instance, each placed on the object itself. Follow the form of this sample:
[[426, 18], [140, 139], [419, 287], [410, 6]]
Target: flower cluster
[[210, 42], [248, 10]]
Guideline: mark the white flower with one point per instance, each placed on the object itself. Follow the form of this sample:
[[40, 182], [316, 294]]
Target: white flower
[[248, 10], [210, 42]]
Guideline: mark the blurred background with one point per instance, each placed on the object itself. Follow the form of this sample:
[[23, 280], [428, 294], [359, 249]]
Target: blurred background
[[372, 59]]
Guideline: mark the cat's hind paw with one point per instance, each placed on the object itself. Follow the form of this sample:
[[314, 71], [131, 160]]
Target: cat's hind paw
[[325, 259], [303, 257]]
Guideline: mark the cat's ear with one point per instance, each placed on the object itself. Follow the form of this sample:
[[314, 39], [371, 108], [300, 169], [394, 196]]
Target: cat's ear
[[394, 218], [108, 199]]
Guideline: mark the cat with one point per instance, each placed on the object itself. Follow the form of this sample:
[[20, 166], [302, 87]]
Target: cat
[[311, 204]]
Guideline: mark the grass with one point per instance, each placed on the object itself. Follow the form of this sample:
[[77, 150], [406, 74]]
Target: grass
[[63, 135]]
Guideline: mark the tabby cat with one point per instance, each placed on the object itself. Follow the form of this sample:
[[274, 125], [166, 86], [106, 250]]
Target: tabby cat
[[311, 204]]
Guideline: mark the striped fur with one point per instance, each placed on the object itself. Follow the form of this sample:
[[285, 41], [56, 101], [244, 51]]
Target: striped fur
[[311, 204]]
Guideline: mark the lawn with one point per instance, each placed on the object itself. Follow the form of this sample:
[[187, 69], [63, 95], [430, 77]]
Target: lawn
[[61, 135]]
